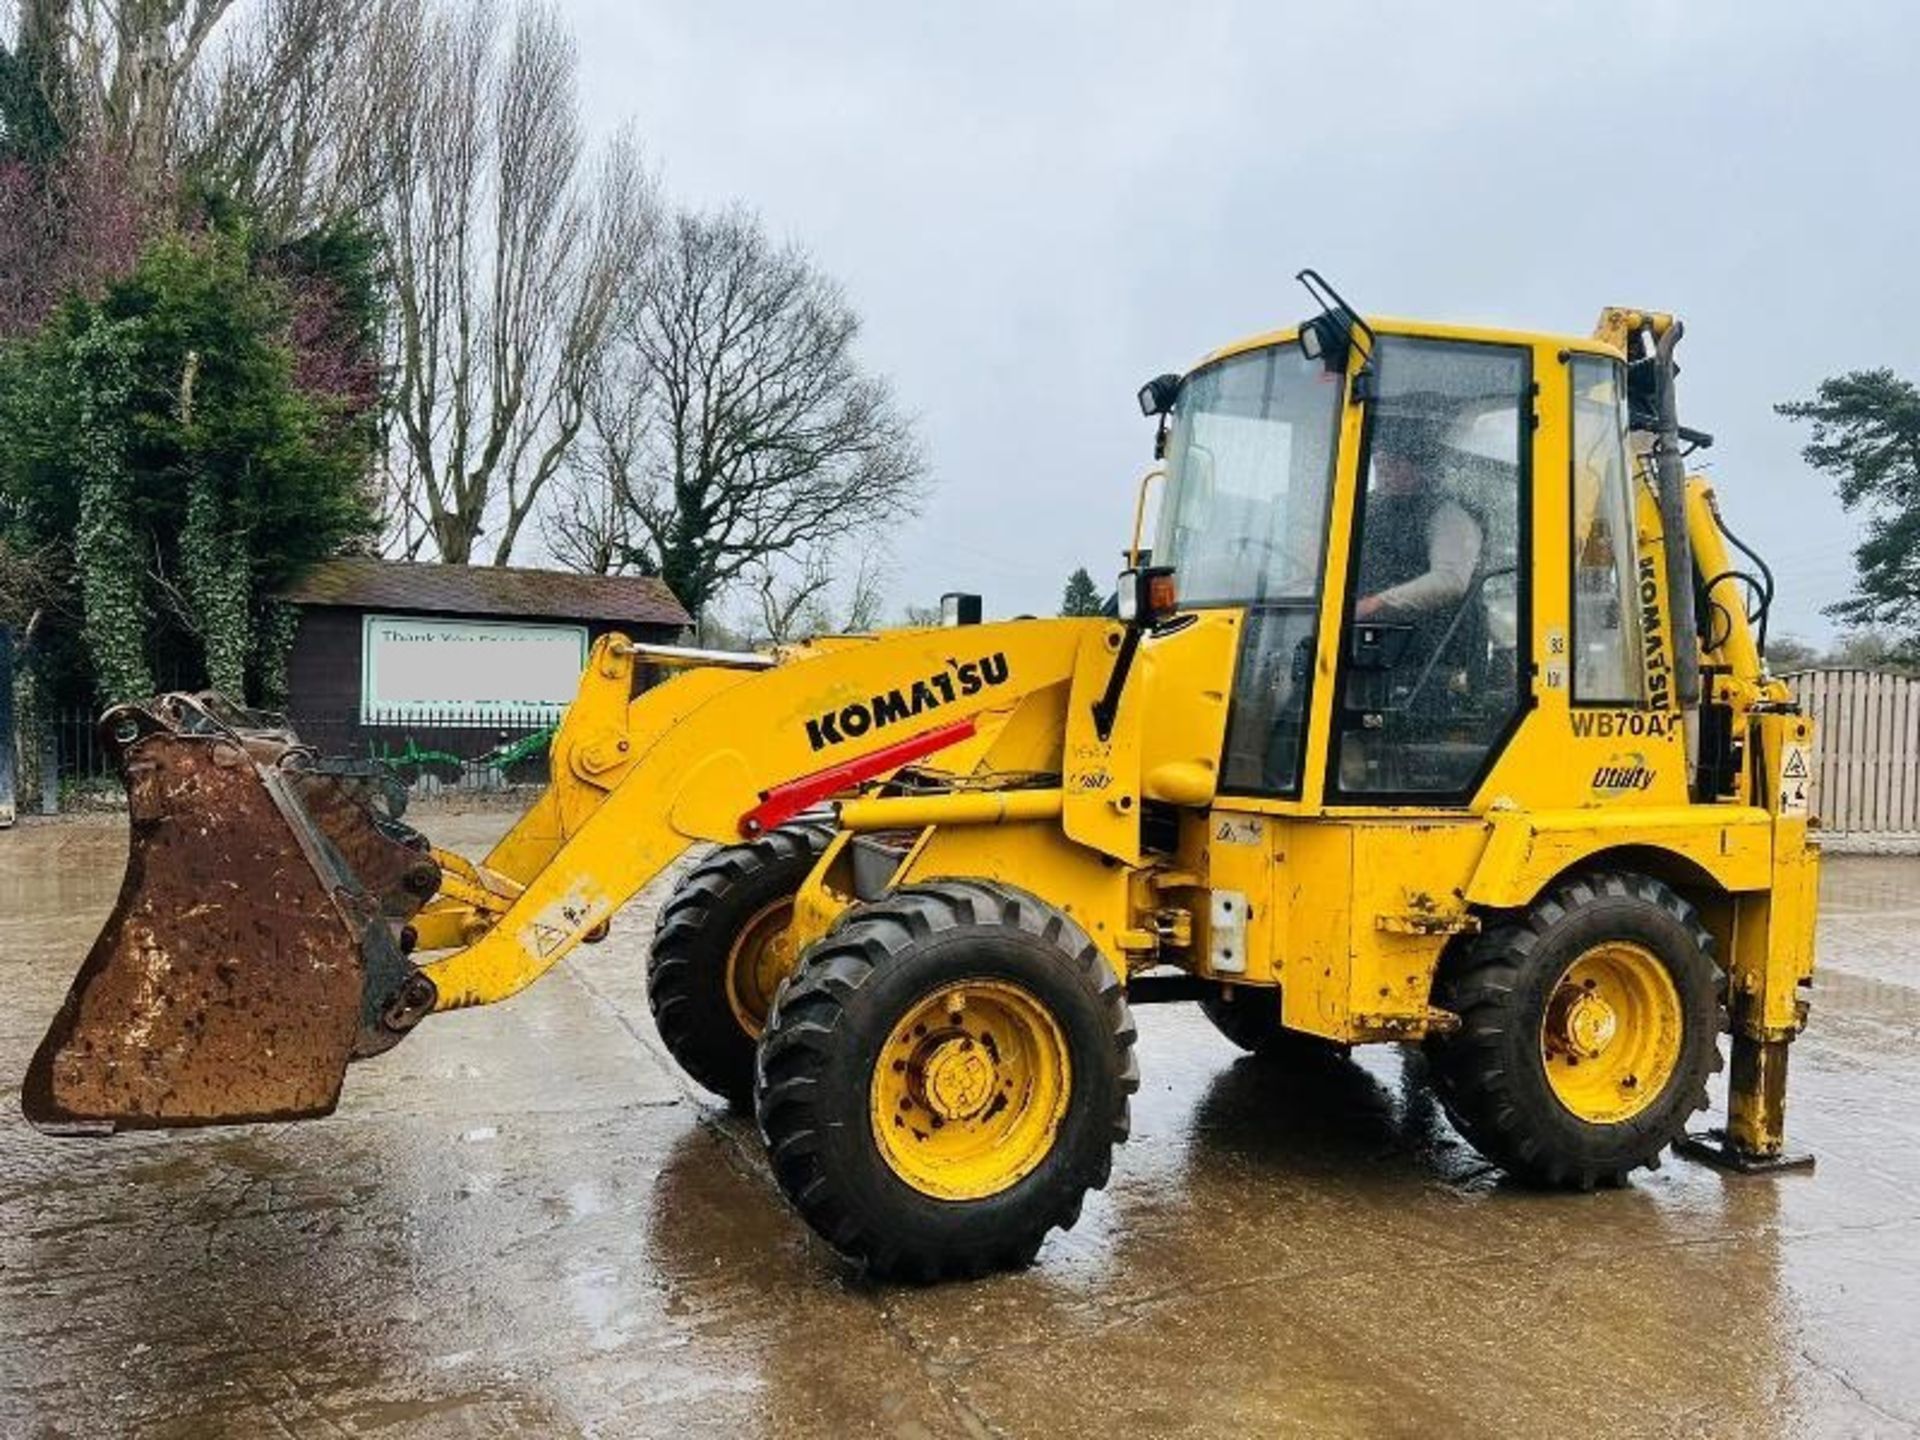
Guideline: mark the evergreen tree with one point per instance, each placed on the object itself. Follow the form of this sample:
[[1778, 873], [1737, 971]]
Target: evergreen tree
[[35, 86], [1866, 434], [182, 458], [1082, 597]]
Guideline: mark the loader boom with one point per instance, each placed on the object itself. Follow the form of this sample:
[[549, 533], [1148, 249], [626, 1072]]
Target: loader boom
[[695, 769]]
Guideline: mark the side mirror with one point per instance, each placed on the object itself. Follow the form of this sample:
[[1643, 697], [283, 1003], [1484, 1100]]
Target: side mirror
[[1144, 599], [1379, 645]]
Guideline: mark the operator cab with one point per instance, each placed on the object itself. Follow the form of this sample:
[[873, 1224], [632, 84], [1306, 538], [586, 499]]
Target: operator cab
[[1427, 539]]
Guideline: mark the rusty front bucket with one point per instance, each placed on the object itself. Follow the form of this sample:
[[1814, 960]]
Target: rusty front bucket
[[254, 949]]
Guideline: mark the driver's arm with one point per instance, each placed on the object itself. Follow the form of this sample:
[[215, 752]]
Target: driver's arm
[[1453, 552]]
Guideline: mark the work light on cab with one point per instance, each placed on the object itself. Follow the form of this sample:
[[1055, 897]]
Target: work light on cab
[[959, 608], [1147, 595]]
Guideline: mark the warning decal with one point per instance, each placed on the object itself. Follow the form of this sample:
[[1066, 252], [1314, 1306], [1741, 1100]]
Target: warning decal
[[1796, 778], [1240, 830]]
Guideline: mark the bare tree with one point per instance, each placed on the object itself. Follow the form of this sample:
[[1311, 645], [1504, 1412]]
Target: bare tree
[[287, 111], [769, 440], [277, 103], [589, 525], [817, 594], [508, 254], [131, 62]]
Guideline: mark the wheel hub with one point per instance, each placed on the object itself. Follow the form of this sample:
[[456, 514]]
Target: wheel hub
[[1586, 1026], [1611, 1037], [759, 959], [957, 1080], [969, 1090]]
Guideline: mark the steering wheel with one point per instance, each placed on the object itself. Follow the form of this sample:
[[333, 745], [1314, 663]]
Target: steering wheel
[[1472, 597]]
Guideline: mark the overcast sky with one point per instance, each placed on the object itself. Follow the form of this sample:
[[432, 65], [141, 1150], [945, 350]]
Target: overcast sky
[[1037, 206]]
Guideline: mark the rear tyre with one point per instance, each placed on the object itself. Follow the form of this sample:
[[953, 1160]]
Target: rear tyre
[[718, 954], [1251, 1020], [1589, 1025], [944, 1078]]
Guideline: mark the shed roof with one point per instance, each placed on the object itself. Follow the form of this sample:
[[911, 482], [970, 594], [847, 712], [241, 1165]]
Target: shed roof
[[358, 583]]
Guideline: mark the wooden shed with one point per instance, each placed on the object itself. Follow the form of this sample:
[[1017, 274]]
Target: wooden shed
[[393, 657]]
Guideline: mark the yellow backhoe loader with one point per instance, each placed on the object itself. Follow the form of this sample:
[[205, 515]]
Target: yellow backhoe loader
[[1437, 714]]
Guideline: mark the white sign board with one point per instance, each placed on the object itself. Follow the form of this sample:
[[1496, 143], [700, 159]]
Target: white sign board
[[421, 669]]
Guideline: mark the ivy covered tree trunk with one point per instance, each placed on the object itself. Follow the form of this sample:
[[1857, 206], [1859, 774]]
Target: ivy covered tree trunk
[[164, 459], [273, 634], [105, 549], [213, 562]]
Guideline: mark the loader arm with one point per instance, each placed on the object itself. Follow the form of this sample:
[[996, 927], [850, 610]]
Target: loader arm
[[591, 753], [698, 756]]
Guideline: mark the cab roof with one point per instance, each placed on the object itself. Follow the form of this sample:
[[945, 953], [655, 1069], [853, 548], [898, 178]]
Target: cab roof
[[1427, 329]]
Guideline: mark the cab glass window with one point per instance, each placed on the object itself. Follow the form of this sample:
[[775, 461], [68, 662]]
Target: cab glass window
[[1249, 465], [1433, 643], [1607, 665], [1250, 457]]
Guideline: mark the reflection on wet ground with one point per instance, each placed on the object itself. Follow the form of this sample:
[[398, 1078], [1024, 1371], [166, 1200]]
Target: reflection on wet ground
[[521, 1221]]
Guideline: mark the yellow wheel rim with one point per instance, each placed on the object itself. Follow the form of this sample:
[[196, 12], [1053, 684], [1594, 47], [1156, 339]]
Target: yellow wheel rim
[[969, 1089], [1611, 1036], [756, 964]]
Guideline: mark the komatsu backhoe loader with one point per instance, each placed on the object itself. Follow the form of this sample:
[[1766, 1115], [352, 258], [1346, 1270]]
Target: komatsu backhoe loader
[[1438, 716]]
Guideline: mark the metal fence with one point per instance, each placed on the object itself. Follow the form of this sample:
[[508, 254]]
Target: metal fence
[[1867, 749], [460, 751]]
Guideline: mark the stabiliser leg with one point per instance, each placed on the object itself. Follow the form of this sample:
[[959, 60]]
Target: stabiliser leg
[[1770, 963], [1754, 1140]]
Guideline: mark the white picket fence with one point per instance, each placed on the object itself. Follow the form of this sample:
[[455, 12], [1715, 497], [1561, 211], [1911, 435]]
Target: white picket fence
[[1867, 760]]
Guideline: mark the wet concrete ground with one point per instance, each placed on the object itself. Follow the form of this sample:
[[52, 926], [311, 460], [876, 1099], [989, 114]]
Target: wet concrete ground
[[523, 1222]]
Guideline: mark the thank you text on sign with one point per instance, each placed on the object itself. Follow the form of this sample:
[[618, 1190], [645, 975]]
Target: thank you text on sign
[[426, 668]]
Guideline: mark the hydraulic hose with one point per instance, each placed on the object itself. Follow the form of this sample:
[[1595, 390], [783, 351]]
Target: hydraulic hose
[[1764, 586]]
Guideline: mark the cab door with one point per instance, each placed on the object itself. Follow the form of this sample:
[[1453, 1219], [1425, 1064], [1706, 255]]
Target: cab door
[[1433, 675]]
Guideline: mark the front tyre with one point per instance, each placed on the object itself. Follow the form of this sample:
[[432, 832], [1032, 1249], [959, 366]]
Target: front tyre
[[944, 1078], [1589, 1025], [720, 950]]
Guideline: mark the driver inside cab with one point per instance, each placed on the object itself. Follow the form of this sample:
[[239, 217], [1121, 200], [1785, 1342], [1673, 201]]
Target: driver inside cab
[[1421, 546]]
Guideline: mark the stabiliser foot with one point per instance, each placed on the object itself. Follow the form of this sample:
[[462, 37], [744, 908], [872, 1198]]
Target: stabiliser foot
[[1712, 1147]]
